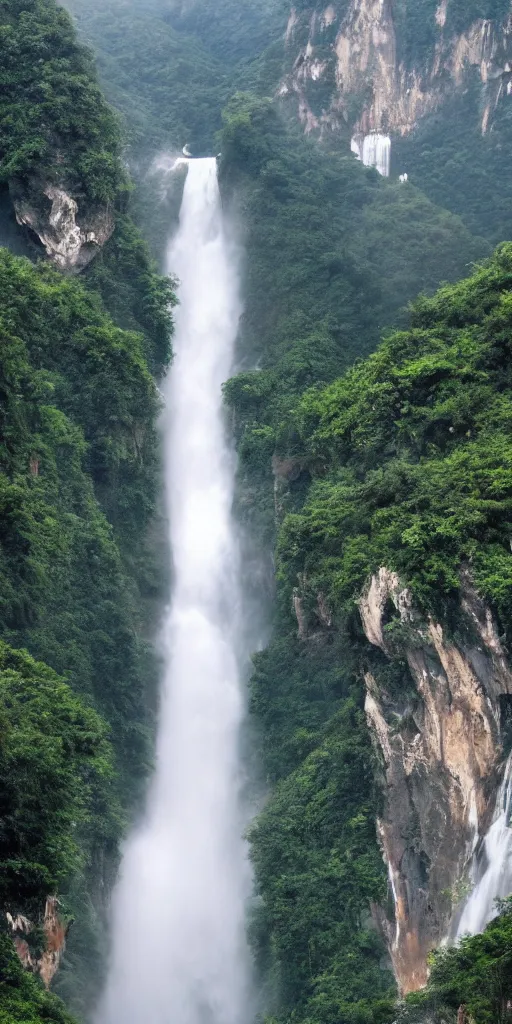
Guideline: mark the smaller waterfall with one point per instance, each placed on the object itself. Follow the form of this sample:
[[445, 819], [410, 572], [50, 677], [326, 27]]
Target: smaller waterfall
[[374, 150], [492, 868]]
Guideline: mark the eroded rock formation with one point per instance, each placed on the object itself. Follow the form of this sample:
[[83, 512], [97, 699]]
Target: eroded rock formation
[[54, 931], [368, 85], [438, 740], [71, 236]]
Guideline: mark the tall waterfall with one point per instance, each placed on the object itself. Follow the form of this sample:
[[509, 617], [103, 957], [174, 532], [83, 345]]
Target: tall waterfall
[[179, 953], [492, 868]]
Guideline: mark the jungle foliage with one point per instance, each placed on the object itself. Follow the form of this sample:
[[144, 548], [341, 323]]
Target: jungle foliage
[[78, 486], [171, 67], [23, 999], [411, 450], [333, 254], [476, 975], [404, 461], [54, 121], [400, 462], [458, 166]]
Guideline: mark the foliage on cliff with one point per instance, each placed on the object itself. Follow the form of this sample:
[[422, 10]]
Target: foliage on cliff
[[403, 462], [54, 121], [78, 482], [476, 975], [459, 167], [56, 782], [23, 999], [412, 458], [333, 253]]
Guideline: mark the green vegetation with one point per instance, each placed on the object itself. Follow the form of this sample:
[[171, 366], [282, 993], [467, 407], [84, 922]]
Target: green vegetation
[[22, 998], [54, 122], [405, 461], [78, 485], [333, 254], [402, 461], [459, 167], [476, 975], [170, 68], [56, 782], [418, 439]]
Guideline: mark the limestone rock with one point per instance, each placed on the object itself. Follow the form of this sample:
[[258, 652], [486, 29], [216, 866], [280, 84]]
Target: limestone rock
[[384, 587], [439, 745], [365, 62], [55, 932], [71, 236]]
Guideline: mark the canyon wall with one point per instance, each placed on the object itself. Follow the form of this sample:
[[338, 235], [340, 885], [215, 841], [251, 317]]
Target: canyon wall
[[438, 739], [362, 67], [439, 746]]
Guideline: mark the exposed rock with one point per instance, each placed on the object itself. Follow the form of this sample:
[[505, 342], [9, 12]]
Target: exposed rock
[[323, 611], [439, 745], [300, 615], [384, 587], [366, 64], [311, 620], [71, 237], [55, 931]]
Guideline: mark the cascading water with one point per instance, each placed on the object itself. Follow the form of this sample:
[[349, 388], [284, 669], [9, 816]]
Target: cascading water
[[179, 951], [374, 150], [492, 868]]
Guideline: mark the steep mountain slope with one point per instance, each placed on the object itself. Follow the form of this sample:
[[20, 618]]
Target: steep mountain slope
[[171, 67], [79, 486], [383, 66], [403, 515], [382, 495], [393, 502], [430, 80], [59, 142]]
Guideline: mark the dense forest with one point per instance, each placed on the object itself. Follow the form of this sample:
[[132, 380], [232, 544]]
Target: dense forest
[[79, 489], [400, 462], [373, 432]]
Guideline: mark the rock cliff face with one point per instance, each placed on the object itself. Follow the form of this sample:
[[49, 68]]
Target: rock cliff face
[[372, 66], [439, 744], [71, 236], [54, 931], [438, 738]]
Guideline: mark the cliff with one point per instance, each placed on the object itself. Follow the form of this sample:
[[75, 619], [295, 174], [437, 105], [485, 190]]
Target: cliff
[[54, 930], [60, 144], [394, 578], [369, 66], [440, 746], [71, 236]]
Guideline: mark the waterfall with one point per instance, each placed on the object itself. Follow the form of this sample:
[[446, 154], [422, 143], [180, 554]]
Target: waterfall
[[179, 951], [492, 867], [374, 150]]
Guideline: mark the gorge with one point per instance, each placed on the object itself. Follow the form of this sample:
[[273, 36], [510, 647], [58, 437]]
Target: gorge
[[317, 478]]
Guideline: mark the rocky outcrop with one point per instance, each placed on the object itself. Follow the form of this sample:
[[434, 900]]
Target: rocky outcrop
[[369, 85], [54, 931], [71, 236], [438, 739]]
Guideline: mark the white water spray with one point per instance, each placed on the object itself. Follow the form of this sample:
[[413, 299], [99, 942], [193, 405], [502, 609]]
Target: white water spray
[[374, 150], [179, 949], [492, 868]]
